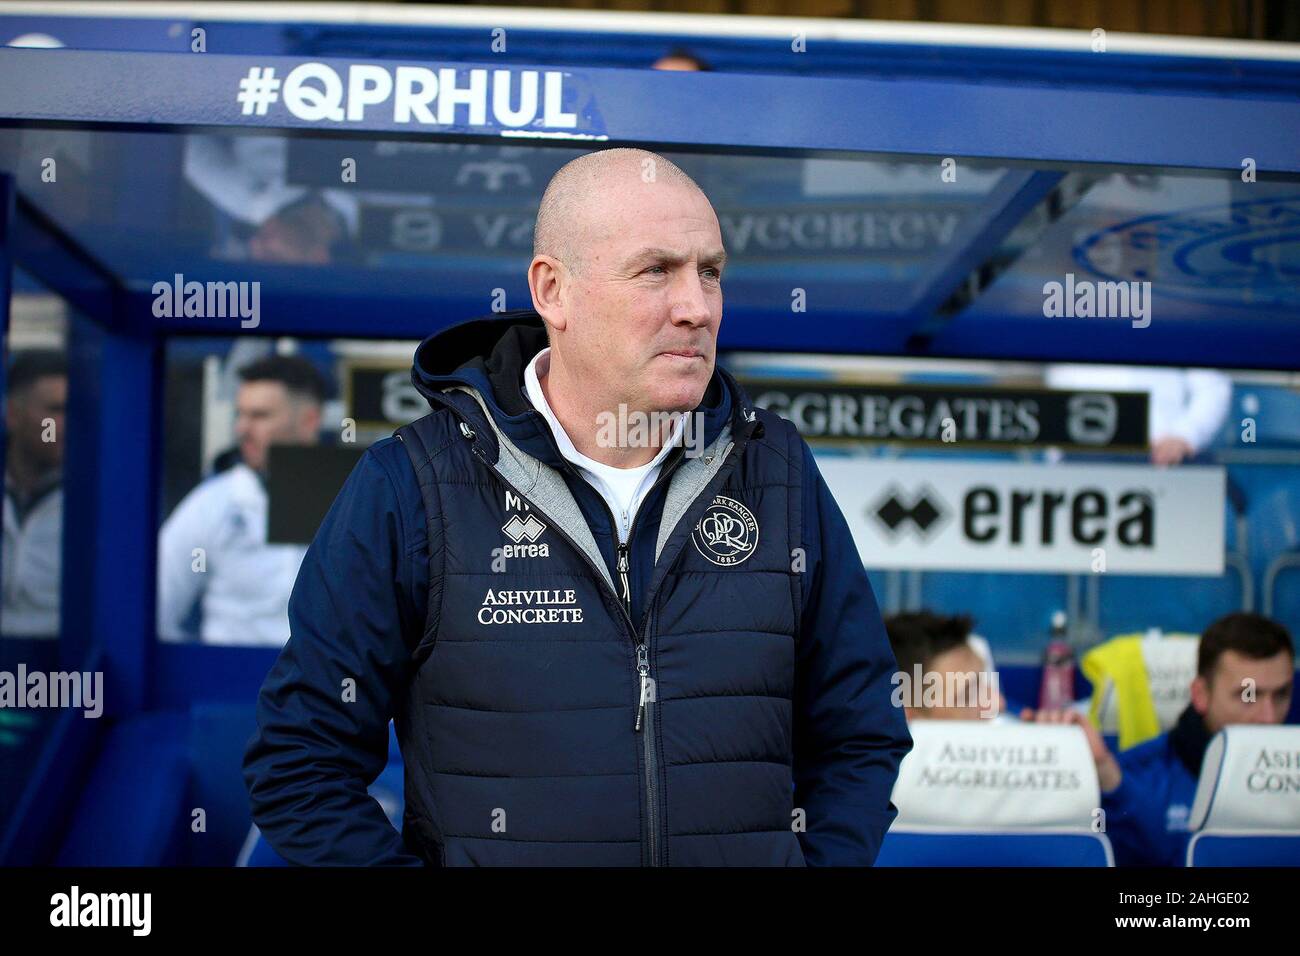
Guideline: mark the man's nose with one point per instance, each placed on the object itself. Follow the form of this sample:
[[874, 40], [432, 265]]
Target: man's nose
[[1264, 712], [690, 306]]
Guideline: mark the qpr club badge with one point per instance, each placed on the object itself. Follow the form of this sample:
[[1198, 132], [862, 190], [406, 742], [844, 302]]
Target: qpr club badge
[[727, 534]]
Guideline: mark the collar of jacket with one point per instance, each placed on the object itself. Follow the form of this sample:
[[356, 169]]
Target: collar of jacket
[[476, 368], [1189, 738], [44, 486]]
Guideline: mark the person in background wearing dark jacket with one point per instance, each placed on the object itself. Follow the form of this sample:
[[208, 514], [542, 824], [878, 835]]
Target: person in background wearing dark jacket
[[1245, 673], [611, 607]]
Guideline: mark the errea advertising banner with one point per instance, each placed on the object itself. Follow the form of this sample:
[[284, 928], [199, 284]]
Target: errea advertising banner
[[1073, 519]]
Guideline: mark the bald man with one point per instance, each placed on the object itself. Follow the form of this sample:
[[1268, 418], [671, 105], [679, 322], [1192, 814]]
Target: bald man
[[610, 606]]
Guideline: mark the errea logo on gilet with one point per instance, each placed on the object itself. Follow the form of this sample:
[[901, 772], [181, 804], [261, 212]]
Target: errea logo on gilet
[[520, 528]]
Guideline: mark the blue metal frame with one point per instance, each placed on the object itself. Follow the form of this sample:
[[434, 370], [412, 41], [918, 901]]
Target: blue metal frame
[[976, 121], [107, 597], [50, 793], [566, 45], [114, 444], [52, 256], [1015, 195]]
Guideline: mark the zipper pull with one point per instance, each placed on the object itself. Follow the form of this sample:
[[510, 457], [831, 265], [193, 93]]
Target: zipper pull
[[622, 573], [642, 668]]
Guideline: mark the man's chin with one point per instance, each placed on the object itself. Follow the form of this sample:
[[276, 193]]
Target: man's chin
[[683, 399], [680, 393]]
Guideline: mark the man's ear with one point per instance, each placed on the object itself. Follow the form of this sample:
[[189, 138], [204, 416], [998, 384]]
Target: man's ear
[[547, 281], [1201, 695]]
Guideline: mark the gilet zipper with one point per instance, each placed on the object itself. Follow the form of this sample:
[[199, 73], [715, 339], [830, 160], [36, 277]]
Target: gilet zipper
[[645, 685]]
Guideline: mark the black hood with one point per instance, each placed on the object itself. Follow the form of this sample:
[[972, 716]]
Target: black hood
[[488, 354]]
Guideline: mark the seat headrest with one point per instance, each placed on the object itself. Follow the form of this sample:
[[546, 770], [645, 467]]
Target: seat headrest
[[1169, 661], [1250, 779], [981, 647], [1171, 667], [985, 775]]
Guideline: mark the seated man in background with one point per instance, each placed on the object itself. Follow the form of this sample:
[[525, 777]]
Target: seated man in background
[[242, 583], [1187, 406], [941, 676], [1245, 671], [33, 502]]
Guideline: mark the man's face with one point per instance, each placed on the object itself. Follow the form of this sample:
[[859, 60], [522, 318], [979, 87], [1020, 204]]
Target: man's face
[[1224, 699], [643, 312], [266, 414], [303, 235], [959, 669], [681, 63], [45, 399]]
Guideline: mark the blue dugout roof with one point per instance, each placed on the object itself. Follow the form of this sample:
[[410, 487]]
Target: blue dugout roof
[[824, 167]]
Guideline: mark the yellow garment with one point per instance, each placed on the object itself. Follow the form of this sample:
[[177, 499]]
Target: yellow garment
[[1120, 662]]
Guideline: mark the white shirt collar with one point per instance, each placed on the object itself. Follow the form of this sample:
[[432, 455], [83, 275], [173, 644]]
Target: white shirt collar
[[533, 388]]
